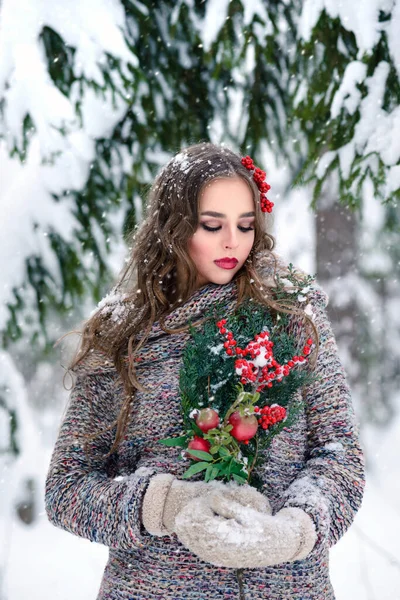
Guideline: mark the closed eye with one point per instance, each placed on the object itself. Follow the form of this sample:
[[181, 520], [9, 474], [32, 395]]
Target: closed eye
[[244, 229]]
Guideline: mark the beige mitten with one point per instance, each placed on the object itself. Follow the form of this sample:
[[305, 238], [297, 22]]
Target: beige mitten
[[225, 533], [166, 496]]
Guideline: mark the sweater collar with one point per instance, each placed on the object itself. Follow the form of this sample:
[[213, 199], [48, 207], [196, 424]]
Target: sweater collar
[[197, 306]]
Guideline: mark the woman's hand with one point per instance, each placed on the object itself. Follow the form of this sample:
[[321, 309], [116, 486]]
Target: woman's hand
[[166, 496], [225, 533]]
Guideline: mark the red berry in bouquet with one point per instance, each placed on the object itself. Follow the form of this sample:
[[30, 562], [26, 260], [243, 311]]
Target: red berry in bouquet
[[244, 426], [207, 418], [198, 443]]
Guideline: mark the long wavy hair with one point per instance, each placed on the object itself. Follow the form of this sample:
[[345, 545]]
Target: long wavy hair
[[148, 287]]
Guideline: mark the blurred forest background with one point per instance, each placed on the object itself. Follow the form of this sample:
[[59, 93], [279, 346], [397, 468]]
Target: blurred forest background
[[95, 96]]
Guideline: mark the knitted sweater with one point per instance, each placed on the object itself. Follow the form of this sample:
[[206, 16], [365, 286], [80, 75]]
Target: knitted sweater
[[317, 465]]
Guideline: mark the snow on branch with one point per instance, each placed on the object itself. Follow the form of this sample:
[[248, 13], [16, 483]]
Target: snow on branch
[[360, 18], [93, 30], [365, 90], [55, 102]]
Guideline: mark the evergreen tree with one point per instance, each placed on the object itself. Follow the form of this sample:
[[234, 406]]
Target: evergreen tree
[[346, 105], [347, 95]]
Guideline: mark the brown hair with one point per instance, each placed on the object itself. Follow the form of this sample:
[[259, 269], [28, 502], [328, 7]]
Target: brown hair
[[148, 287]]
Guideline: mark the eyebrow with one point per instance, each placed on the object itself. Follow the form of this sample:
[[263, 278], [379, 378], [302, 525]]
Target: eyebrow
[[211, 213]]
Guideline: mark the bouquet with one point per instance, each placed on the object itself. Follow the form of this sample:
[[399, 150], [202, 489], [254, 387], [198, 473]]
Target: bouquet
[[238, 386]]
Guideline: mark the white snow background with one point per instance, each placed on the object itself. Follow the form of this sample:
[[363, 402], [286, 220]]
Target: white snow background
[[41, 562]]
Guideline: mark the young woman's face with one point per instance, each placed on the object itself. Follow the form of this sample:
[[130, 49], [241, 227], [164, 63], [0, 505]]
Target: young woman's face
[[225, 232]]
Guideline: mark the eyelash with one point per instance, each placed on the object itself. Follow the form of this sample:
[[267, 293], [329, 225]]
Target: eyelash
[[243, 229]]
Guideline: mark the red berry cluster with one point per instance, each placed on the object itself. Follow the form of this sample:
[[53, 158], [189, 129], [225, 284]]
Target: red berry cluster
[[269, 415], [230, 344], [259, 178], [262, 368]]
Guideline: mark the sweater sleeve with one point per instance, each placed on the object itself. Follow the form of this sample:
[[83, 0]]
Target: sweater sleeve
[[79, 495], [331, 486]]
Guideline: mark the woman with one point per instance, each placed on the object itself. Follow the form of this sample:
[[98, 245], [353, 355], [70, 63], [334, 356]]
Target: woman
[[110, 480]]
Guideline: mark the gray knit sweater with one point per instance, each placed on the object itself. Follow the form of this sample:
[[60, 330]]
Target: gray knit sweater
[[316, 465]]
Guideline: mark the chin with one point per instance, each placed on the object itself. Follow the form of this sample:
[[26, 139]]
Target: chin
[[220, 278], [223, 278]]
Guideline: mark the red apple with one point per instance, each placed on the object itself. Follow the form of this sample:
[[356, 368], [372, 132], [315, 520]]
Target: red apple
[[244, 428], [207, 419], [198, 443]]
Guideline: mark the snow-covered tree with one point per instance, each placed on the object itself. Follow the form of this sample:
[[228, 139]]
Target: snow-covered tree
[[347, 95], [346, 102]]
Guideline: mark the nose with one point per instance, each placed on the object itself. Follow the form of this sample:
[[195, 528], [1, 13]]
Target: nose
[[231, 240]]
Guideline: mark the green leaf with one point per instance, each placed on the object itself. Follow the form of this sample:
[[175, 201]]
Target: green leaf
[[208, 473], [225, 468], [178, 441], [223, 451], [237, 468], [238, 478], [200, 454], [214, 472], [197, 429], [195, 469]]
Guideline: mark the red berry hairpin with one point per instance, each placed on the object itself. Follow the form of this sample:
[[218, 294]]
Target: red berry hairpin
[[259, 178]]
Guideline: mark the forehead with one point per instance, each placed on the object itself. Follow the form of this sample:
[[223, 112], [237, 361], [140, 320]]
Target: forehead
[[229, 191]]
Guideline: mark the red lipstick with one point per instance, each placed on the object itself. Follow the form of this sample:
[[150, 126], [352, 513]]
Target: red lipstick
[[226, 263]]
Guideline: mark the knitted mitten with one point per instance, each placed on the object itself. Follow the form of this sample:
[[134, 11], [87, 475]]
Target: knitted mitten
[[227, 534], [166, 496]]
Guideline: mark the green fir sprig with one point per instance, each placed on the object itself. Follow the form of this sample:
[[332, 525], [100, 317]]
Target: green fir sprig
[[208, 379]]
